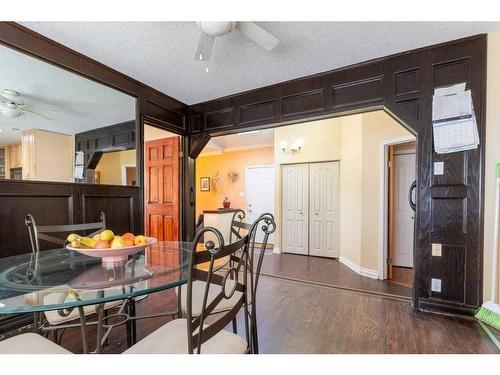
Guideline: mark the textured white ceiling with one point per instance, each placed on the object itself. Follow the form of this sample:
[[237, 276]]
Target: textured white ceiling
[[161, 54], [76, 104]]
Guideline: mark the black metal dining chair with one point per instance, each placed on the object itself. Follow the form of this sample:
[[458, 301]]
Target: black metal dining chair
[[266, 225], [191, 334], [60, 320]]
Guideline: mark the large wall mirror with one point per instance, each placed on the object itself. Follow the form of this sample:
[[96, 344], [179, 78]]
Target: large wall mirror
[[59, 126]]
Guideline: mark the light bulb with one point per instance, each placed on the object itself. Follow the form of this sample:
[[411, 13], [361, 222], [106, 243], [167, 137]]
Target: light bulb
[[283, 144], [298, 143]]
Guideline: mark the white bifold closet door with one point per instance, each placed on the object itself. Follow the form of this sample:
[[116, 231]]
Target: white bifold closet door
[[295, 209], [324, 209], [310, 209]]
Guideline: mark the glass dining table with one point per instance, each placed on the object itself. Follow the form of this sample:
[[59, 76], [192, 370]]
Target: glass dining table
[[64, 281]]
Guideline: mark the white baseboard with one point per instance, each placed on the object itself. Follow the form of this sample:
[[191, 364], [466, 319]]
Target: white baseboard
[[276, 250], [358, 269], [369, 273]]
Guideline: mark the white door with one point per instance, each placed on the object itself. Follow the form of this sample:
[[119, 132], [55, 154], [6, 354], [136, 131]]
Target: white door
[[404, 175], [295, 209], [260, 194], [324, 209]]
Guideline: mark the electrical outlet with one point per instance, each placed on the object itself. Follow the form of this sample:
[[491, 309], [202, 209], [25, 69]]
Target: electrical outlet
[[438, 168], [436, 249], [436, 285]]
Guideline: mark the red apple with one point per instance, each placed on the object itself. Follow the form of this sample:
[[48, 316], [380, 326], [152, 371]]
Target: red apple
[[102, 244]]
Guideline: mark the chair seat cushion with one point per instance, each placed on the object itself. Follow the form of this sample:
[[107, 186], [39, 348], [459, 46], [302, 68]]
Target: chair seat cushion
[[172, 338], [197, 299], [30, 343], [53, 316]]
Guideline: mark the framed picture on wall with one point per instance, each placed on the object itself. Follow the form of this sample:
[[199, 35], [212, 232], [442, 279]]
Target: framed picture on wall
[[204, 183]]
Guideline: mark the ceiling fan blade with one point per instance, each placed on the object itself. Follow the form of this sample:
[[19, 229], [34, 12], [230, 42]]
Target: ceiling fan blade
[[36, 113], [12, 96], [205, 46], [37, 108], [258, 34]]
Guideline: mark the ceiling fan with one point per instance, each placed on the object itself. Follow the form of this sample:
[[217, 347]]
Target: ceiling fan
[[211, 30], [13, 105]]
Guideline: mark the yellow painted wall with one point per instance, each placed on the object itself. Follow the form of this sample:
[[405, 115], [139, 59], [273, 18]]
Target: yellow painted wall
[[351, 177], [377, 128], [110, 166], [47, 156], [238, 161], [492, 154]]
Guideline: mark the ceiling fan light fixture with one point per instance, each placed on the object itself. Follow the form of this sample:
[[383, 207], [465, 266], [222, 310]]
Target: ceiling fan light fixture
[[11, 112]]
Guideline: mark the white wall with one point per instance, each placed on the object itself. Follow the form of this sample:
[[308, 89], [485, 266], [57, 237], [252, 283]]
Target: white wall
[[492, 153]]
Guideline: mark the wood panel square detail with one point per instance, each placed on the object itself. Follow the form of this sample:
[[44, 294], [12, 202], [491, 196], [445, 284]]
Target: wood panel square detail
[[449, 215], [358, 92], [256, 112], [168, 184], [219, 119], [450, 73], [450, 269], [406, 82], [306, 102], [455, 169]]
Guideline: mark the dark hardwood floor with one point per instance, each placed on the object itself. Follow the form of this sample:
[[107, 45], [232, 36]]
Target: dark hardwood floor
[[329, 272], [295, 317], [402, 276]]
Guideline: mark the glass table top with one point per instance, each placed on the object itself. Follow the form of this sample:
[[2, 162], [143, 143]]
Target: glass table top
[[64, 279]]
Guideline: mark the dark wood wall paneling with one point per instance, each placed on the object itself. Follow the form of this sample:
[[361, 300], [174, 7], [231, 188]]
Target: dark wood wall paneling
[[450, 207], [115, 137], [61, 203]]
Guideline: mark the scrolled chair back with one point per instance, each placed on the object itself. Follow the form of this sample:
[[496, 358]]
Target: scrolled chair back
[[203, 267], [267, 225]]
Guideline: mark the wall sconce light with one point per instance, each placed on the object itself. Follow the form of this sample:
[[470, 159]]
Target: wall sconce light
[[294, 148]]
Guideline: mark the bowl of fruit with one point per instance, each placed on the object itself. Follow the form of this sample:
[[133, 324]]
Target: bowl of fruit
[[108, 246]]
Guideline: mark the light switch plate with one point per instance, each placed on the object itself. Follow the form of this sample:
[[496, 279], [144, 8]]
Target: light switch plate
[[436, 285], [438, 168], [436, 249]]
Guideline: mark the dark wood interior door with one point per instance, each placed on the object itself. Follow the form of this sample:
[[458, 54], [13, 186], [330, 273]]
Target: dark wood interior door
[[161, 174]]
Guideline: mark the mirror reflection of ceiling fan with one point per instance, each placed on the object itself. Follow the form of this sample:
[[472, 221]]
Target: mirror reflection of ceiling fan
[[211, 30], [12, 105]]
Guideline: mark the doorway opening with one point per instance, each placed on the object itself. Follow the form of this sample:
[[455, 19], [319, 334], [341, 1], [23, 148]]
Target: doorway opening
[[399, 177], [235, 172], [326, 183], [162, 182]]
